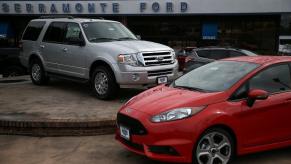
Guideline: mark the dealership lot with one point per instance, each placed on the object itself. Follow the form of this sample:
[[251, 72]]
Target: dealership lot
[[96, 149], [22, 100]]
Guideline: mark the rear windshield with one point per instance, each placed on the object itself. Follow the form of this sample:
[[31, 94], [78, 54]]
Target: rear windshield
[[33, 30]]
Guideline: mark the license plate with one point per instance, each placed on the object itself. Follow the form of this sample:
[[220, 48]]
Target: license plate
[[162, 80], [124, 133]]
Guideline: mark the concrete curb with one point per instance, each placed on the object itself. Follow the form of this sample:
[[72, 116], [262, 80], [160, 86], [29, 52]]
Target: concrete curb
[[57, 127]]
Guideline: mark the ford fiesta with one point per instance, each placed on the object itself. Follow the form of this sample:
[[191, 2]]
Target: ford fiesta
[[229, 107]]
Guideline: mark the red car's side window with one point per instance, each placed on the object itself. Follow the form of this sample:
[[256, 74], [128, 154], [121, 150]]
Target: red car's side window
[[273, 79]]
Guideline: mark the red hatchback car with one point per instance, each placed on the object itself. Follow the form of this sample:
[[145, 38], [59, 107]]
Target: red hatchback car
[[229, 107]]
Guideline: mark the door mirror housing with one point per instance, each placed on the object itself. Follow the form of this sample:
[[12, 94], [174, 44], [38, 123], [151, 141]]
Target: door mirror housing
[[256, 94]]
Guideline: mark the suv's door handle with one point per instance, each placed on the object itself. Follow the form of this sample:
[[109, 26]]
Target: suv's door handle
[[41, 46], [65, 49]]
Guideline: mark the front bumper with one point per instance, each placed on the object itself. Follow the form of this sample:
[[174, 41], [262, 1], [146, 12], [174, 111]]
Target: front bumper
[[174, 139], [129, 76]]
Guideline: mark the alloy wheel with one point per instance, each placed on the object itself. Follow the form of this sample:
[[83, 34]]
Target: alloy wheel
[[214, 148], [36, 72], [101, 83]]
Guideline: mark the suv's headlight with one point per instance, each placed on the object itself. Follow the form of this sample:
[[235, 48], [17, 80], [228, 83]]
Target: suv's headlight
[[177, 114], [130, 59], [174, 56]]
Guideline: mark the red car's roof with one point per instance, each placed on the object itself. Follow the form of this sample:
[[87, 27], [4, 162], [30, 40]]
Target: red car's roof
[[261, 59]]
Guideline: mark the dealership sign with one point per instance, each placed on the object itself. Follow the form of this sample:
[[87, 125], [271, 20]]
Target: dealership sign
[[137, 7], [92, 7]]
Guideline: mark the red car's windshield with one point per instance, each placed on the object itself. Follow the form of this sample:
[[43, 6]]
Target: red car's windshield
[[216, 76]]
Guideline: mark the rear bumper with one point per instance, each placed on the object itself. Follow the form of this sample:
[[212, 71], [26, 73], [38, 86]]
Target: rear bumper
[[174, 139]]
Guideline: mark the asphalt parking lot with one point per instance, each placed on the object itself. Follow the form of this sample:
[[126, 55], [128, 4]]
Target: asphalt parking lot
[[96, 149]]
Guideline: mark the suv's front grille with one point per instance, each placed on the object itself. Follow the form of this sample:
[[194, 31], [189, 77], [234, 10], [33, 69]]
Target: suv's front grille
[[160, 72], [134, 125], [157, 58]]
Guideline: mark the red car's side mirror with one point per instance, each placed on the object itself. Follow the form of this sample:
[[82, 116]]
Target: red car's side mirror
[[256, 94]]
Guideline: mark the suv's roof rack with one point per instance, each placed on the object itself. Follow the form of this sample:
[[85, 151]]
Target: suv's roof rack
[[55, 16]]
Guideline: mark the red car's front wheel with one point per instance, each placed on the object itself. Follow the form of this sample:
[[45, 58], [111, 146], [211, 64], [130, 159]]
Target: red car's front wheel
[[215, 146]]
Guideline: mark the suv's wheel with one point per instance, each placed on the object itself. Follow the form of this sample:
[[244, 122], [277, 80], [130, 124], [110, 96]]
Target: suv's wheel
[[103, 83], [37, 73], [215, 146]]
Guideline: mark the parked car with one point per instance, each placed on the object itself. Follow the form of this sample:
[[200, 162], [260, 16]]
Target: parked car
[[284, 45], [10, 64], [184, 55], [202, 56], [229, 107], [102, 52]]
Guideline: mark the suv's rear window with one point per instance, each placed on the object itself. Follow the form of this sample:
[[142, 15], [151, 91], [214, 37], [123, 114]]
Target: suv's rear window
[[33, 30], [55, 32]]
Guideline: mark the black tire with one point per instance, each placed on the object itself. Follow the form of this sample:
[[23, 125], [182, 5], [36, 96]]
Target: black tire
[[112, 86], [42, 79], [232, 151]]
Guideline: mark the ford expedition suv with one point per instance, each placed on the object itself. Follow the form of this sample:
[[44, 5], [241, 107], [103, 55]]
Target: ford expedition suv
[[102, 52]]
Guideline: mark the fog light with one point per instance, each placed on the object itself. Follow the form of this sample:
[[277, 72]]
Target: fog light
[[135, 77], [168, 150]]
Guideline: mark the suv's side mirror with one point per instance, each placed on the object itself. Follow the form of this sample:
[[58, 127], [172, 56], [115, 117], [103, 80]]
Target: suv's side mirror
[[256, 94], [138, 37]]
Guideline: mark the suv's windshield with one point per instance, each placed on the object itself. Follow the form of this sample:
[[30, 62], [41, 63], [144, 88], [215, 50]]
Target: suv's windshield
[[214, 77], [106, 31]]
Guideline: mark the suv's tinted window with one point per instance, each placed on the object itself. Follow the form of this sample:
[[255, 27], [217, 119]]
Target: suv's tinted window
[[73, 34], [55, 32], [235, 54], [219, 54], [33, 30], [273, 79], [203, 53]]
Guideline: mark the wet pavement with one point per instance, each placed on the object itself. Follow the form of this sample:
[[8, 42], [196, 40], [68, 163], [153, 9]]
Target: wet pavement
[[98, 150]]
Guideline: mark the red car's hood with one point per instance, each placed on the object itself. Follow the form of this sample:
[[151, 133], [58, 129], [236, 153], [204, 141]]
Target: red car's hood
[[163, 98]]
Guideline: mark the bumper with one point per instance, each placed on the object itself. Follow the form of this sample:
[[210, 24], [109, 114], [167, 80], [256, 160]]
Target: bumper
[[23, 61], [168, 142], [128, 76]]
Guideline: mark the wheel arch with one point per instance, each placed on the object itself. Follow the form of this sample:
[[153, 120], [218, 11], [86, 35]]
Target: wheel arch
[[97, 63], [34, 56]]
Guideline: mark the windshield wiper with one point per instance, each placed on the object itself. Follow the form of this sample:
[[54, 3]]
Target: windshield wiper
[[98, 39], [189, 88], [126, 38]]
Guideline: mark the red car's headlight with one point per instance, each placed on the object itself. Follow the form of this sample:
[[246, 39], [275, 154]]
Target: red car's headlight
[[177, 114]]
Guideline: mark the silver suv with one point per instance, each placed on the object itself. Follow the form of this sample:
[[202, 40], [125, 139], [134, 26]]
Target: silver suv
[[102, 52]]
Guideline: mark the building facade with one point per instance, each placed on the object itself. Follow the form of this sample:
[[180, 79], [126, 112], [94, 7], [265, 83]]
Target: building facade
[[252, 24]]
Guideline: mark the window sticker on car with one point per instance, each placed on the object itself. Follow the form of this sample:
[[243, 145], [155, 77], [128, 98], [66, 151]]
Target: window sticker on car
[[111, 29], [85, 25]]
